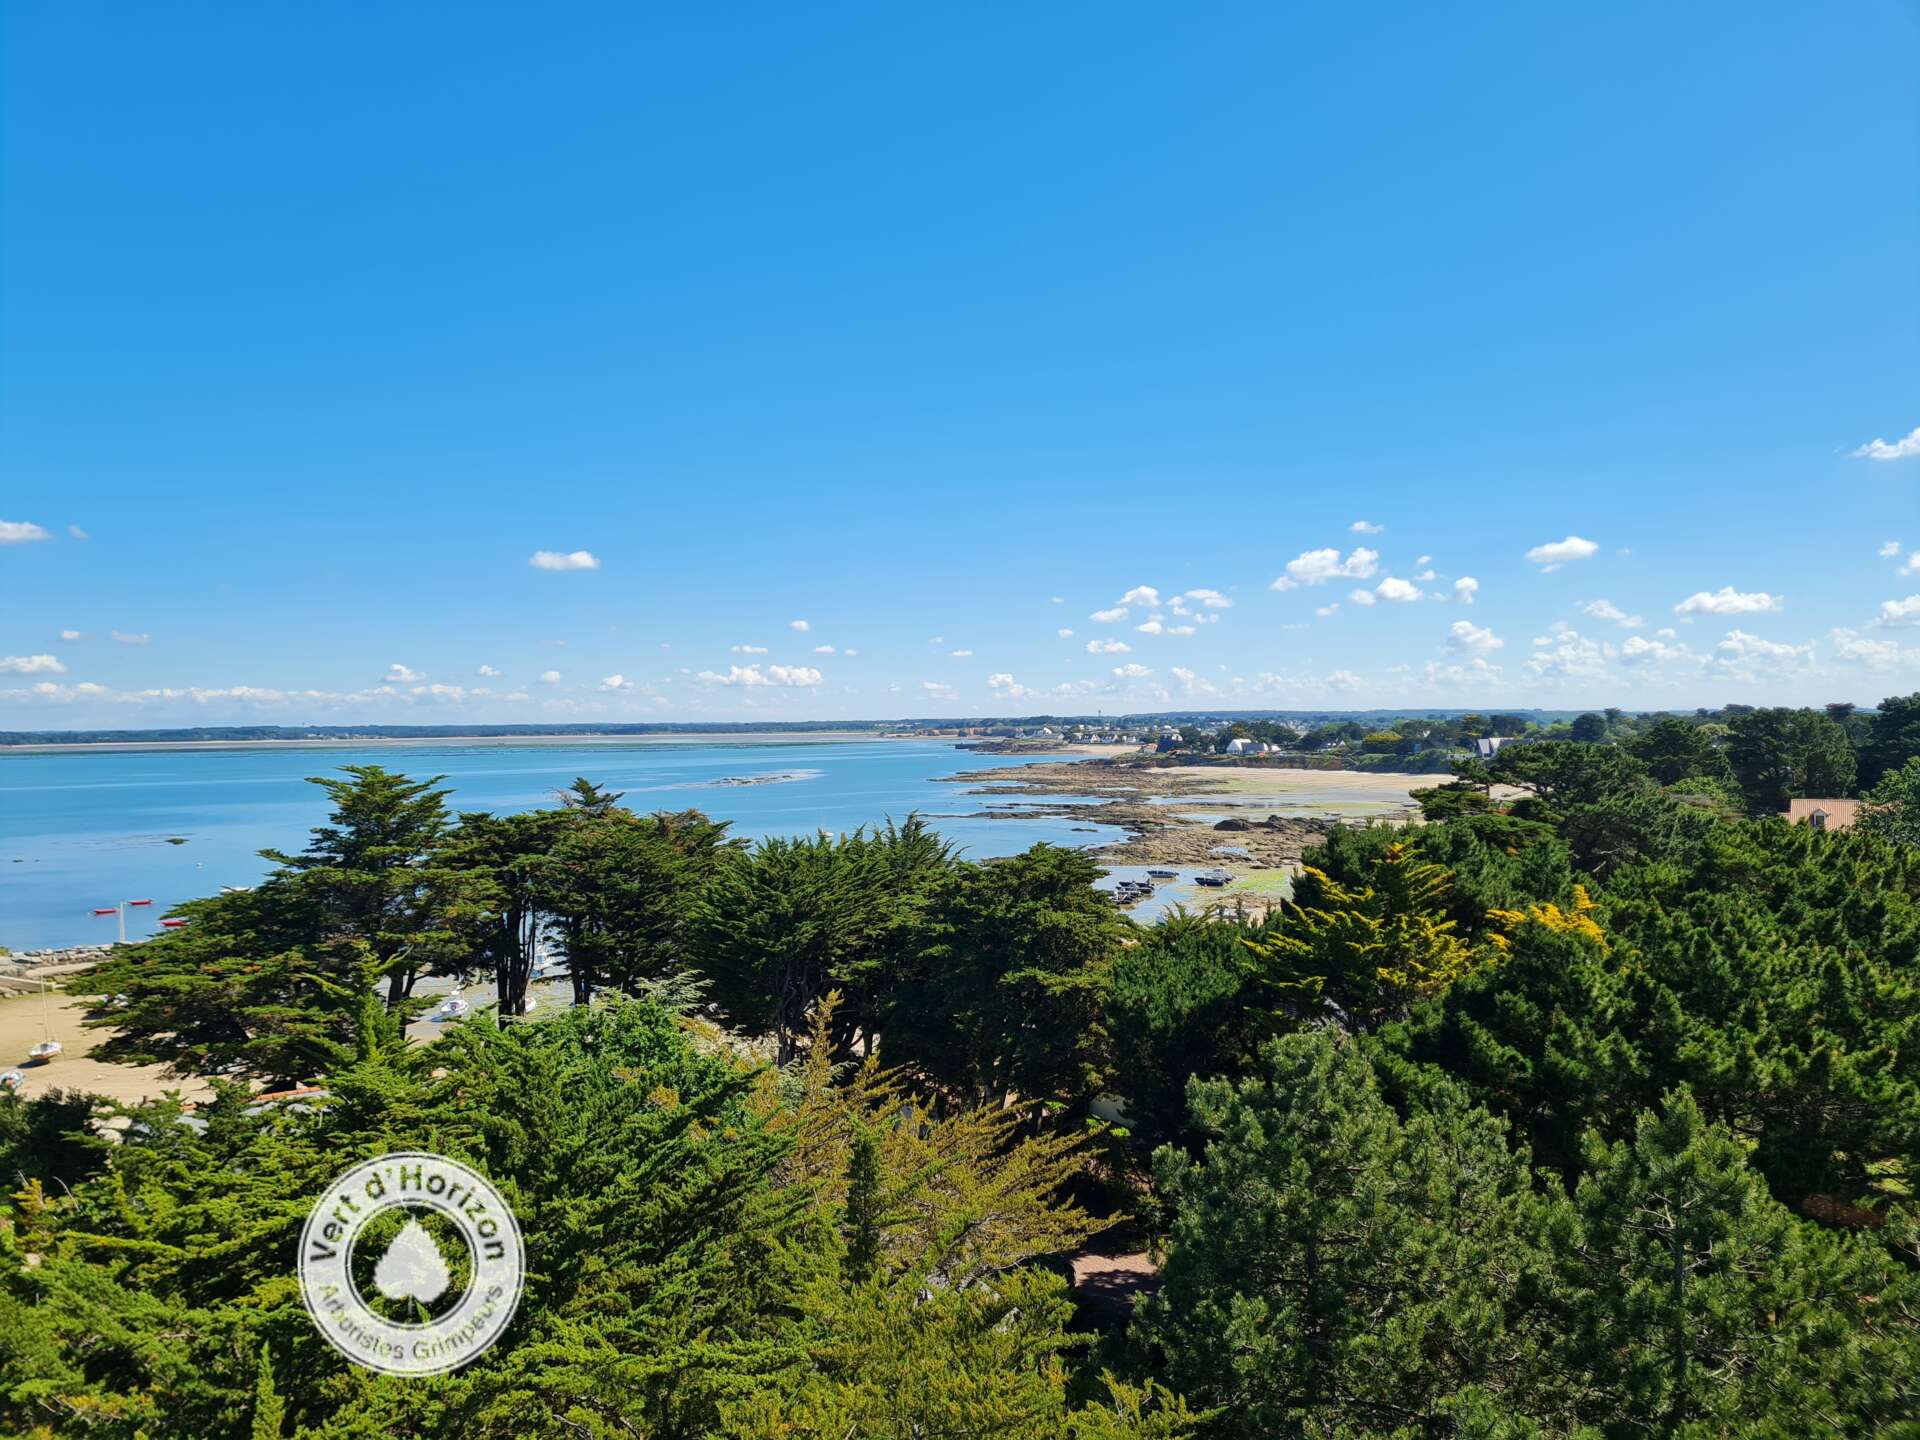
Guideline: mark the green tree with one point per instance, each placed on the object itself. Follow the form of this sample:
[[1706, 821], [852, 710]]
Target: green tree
[[377, 872], [1697, 1305], [1778, 754], [1892, 739], [1334, 1269], [1674, 751], [1893, 806]]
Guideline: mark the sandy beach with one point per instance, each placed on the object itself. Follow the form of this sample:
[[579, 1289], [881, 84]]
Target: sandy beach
[[25, 1020]]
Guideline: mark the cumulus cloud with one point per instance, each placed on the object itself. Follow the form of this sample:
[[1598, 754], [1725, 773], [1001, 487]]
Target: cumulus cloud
[[19, 532], [124, 638], [1056, 599], [961, 654], [1402, 592], [801, 626], [1315, 567], [1140, 595], [488, 671], [1554, 554], [1212, 599], [1664, 652], [1365, 527], [31, 665], [1107, 647], [564, 560], [615, 683], [1906, 446], [823, 650], [939, 691], [1064, 633], [549, 677], [1476, 639], [1729, 601], [748, 649], [1912, 567], [1564, 653], [77, 533], [398, 674], [1131, 671], [1361, 597], [1900, 612], [1607, 610], [1739, 645], [1890, 549], [1852, 646], [1326, 610], [1465, 589], [753, 675], [1154, 626], [71, 635], [1109, 617]]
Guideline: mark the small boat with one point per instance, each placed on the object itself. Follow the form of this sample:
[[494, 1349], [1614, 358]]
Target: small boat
[[139, 902], [43, 1052], [451, 1008], [12, 1079], [526, 1005], [1214, 877], [1164, 874], [109, 910], [174, 924]]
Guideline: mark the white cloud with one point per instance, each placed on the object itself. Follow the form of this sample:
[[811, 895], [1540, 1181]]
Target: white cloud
[[1907, 445], [1109, 617], [1326, 610], [1365, 527], [1212, 599], [960, 654], [1564, 653], [751, 676], [802, 626], [1607, 610], [1064, 633], [1056, 600], [1403, 592], [1900, 612], [1314, 567], [823, 650], [1428, 575], [71, 635], [1478, 639], [1107, 647], [1875, 654], [398, 674], [849, 651], [1739, 646], [31, 665], [1361, 597], [549, 677], [1140, 595], [488, 671], [1553, 555], [1890, 549], [1729, 601], [18, 532], [1639, 648], [1912, 567], [939, 691], [1131, 671], [564, 560], [748, 649], [616, 683], [1152, 627], [125, 638], [77, 533], [1465, 589]]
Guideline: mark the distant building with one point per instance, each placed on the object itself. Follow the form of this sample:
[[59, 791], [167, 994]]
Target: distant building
[[1169, 741], [1241, 746], [1487, 746], [1823, 814]]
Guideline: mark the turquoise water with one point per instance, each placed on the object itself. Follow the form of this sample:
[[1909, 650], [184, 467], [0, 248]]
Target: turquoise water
[[80, 829]]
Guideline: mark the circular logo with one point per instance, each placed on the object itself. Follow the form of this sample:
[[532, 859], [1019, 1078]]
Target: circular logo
[[411, 1263]]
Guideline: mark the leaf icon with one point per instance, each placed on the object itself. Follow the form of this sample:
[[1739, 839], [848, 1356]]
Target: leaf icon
[[412, 1268]]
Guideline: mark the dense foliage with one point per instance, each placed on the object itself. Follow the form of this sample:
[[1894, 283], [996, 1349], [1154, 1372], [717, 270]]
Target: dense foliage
[[1589, 1107]]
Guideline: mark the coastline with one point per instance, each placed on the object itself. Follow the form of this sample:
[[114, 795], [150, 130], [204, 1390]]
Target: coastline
[[679, 737]]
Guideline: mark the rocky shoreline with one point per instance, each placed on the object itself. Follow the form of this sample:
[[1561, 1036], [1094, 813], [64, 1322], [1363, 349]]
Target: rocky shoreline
[[64, 957]]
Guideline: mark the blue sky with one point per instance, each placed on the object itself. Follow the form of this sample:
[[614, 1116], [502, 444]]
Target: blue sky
[[945, 330]]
